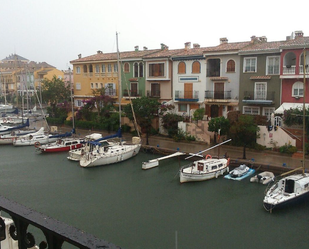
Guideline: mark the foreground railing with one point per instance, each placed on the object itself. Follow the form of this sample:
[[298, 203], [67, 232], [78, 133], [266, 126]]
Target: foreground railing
[[56, 232]]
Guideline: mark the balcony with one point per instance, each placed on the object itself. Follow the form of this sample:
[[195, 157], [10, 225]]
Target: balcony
[[289, 69], [187, 96], [259, 97], [218, 94], [154, 94], [132, 93], [301, 69]]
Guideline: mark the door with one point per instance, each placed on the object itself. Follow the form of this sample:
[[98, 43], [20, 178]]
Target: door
[[134, 89], [219, 90], [188, 88]]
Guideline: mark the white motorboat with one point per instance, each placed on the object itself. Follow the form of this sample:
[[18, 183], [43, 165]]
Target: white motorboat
[[287, 190], [263, 177], [38, 139], [204, 169]]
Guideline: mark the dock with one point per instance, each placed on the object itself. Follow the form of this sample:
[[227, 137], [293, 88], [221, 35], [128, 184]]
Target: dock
[[155, 162]]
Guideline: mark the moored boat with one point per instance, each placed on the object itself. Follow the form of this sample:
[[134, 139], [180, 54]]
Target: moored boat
[[240, 173], [204, 169], [61, 145], [263, 177]]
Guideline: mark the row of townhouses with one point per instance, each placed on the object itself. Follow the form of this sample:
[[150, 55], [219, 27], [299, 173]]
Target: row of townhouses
[[255, 77], [20, 76]]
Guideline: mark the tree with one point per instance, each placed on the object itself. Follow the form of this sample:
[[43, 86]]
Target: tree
[[244, 132], [55, 91], [221, 124], [145, 110]]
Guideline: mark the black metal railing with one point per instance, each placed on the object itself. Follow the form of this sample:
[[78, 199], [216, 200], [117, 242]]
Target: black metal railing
[[259, 95], [218, 94], [186, 95], [56, 232], [132, 93], [153, 94]]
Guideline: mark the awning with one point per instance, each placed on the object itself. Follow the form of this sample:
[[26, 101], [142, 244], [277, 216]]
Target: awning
[[288, 106]]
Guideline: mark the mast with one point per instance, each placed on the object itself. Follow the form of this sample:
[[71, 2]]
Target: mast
[[304, 110], [72, 103], [119, 80]]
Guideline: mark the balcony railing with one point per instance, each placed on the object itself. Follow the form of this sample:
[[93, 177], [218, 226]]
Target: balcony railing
[[301, 69], [186, 96], [258, 96], [132, 93], [153, 94], [289, 69], [218, 94]]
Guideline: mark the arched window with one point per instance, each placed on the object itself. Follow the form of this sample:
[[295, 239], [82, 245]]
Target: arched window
[[85, 69], [196, 67], [230, 66], [135, 69], [181, 67], [298, 89], [126, 67], [90, 68], [141, 69]]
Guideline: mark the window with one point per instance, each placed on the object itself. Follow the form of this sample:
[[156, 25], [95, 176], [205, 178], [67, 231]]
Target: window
[[96, 85], [181, 67], [155, 90], [103, 68], [196, 67], [97, 68], [135, 69], [79, 103], [182, 108], [267, 111], [141, 69], [298, 89], [78, 86], [251, 110], [78, 70], [156, 70], [85, 69], [126, 67], [230, 66], [109, 67], [110, 89], [91, 85], [249, 65], [101, 85], [115, 67], [260, 92], [273, 65], [90, 68]]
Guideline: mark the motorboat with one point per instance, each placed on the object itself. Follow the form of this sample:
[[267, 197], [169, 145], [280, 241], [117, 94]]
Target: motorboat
[[204, 169], [288, 190], [38, 139], [61, 145], [240, 173], [263, 177]]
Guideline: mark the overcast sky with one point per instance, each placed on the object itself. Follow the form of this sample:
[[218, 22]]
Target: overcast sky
[[56, 31]]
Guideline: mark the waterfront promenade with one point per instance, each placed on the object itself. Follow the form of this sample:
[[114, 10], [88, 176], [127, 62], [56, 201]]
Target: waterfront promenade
[[275, 161]]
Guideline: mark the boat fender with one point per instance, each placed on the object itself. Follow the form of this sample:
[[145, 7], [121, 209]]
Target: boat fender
[[208, 156], [13, 232], [37, 144]]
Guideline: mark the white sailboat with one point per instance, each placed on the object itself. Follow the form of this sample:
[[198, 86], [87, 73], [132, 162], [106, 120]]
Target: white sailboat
[[104, 155], [291, 188]]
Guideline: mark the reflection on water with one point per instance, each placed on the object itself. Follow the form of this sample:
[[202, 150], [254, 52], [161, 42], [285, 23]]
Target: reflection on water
[[136, 208]]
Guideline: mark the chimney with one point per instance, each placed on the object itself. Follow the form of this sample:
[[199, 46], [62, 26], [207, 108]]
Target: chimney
[[79, 56], [187, 45], [145, 48], [196, 45], [99, 52], [299, 33], [223, 40], [164, 47], [253, 39], [136, 48], [263, 39]]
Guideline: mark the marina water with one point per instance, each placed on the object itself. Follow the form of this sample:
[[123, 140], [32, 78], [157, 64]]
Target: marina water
[[135, 208]]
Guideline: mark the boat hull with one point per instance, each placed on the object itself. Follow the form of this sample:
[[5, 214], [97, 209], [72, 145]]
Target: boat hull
[[60, 148], [184, 177], [93, 160]]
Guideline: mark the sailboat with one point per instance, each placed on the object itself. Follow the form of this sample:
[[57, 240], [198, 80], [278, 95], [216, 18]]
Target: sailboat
[[290, 188], [104, 155]]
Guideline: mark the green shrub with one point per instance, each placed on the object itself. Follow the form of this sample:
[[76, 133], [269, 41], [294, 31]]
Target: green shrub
[[287, 149]]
